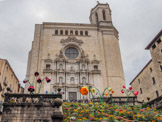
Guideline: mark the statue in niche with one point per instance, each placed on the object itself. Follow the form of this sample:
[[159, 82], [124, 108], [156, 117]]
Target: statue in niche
[[61, 54], [82, 54], [72, 80], [72, 68]]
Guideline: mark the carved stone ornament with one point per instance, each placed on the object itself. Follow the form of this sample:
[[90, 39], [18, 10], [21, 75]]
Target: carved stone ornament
[[71, 39]]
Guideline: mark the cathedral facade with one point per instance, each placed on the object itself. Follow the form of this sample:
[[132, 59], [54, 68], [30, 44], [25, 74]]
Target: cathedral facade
[[74, 55]]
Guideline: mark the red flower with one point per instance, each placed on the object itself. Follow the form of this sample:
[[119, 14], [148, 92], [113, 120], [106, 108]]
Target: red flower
[[25, 81], [36, 74], [48, 80], [135, 93], [122, 91], [130, 88], [124, 87], [31, 89], [39, 80]]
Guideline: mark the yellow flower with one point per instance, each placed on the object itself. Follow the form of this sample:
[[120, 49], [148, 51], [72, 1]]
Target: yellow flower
[[93, 90], [110, 89]]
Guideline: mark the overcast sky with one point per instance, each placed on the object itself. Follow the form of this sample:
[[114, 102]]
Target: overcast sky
[[138, 22]]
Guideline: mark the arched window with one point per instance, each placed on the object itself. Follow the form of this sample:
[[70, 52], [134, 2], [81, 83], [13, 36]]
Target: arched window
[[86, 33], [140, 90], [60, 66], [83, 66], [60, 79], [71, 32], [56, 32], [84, 80], [66, 32], [76, 32], [96, 17], [104, 16], [72, 80], [61, 32], [81, 32]]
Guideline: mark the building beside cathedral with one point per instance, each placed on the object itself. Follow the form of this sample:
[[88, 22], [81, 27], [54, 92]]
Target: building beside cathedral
[[73, 55], [149, 80]]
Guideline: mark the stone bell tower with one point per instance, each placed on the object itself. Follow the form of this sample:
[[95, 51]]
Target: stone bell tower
[[112, 72], [101, 15]]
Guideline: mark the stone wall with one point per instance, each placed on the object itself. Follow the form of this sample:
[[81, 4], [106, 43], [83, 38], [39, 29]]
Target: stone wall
[[32, 108]]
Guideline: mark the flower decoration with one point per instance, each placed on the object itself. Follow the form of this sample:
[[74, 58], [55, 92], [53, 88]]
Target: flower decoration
[[31, 89], [135, 93], [112, 92], [106, 94], [110, 89], [84, 90], [122, 91], [25, 81], [128, 92], [93, 90], [39, 80], [130, 88], [48, 80], [36, 74]]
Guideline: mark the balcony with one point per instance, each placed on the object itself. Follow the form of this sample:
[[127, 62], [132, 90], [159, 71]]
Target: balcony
[[47, 70]]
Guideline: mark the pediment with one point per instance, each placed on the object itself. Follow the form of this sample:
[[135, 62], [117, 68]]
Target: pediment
[[71, 39]]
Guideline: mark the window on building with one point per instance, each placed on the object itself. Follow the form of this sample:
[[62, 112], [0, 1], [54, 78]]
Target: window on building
[[153, 46], [159, 40], [161, 50], [72, 80], [66, 32], [61, 32], [48, 66], [96, 18], [60, 66], [86, 33], [153, 79], [157, 93], [71, 32], [84, 80], [7, 68], [71, 53], [0, 87], [161, 68], [140, 91], [150, 69], [60, 79], [81, 32], [139, 81], [95, 67], [56, 32], [104, 15], [76, 32]]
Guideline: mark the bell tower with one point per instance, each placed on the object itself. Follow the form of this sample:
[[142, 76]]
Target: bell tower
[[101, 15]]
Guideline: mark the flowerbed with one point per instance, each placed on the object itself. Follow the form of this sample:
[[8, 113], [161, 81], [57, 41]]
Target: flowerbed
[[78, 112]]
